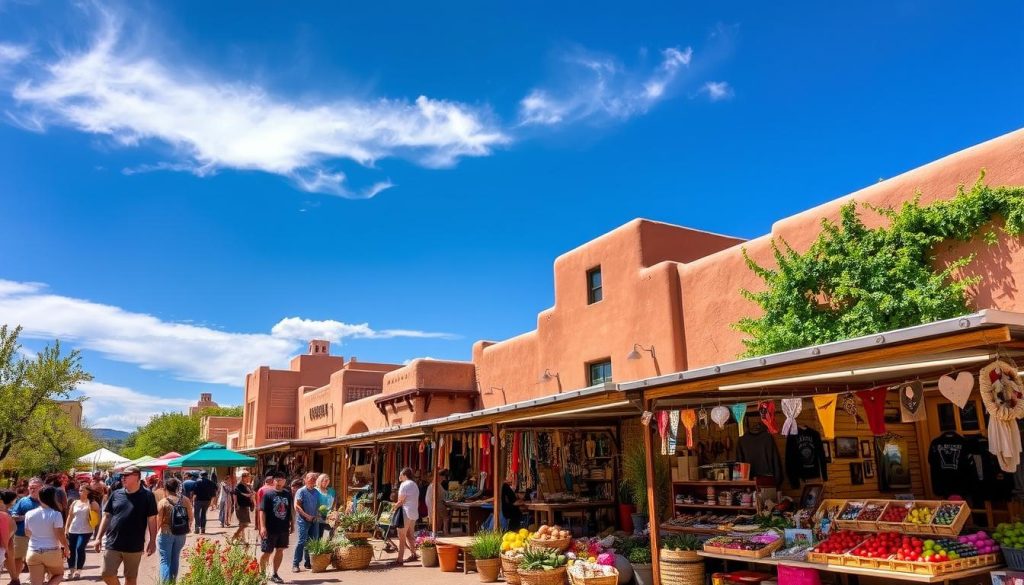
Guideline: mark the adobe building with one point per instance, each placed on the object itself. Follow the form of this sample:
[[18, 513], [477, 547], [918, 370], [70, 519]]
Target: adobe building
[[73, 409], [217, 429], [645, 299], [205, 402]]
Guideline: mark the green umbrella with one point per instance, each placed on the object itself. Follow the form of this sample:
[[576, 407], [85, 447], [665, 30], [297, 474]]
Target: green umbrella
[[212, 455]]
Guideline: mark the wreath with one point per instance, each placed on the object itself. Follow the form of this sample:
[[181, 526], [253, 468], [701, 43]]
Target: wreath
[[1002, 391]]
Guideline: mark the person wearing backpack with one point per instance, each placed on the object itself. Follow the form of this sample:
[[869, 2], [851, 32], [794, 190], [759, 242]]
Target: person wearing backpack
[[174, 517]]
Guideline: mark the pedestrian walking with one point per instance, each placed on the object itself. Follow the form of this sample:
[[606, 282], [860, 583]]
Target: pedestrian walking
[[47, 545], [226, 500], [83, 519], [24, 505], [307, 501], [174, 517], [7, 528], [274, 523], [244, 504], [128, 515], [327, 496], [205, 492], [407, 512]]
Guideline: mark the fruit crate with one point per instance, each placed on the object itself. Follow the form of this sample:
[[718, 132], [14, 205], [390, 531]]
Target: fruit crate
[[961, 564], [895, 526], [831, 504], [914, 528], [824, 558], [959, 520], [851, 523], [850, 560], [752, 554], [872, 525]]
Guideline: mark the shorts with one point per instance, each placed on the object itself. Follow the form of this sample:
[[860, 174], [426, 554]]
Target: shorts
[[53, 560], [274, 540], [20, 547], [243, 515], [112, 560]]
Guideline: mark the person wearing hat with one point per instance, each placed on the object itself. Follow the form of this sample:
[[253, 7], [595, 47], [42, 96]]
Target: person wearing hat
[[205, 492], [128, 516]]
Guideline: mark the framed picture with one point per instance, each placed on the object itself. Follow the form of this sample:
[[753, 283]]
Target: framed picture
[[827, 448], [894, 464], [856, 473], [869, 469], [865, 449], [798, 536], [811, 496], [847, 448]]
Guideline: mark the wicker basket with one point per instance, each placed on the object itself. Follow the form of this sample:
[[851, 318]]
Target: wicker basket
[[510, 567], [354, 558], [552, 577], [602, 580], [320, 563], [682, 573], [680, 555], [560, 545], [358, 535]]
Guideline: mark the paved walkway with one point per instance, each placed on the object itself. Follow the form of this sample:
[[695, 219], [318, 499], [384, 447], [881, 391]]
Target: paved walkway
[[410, 572]]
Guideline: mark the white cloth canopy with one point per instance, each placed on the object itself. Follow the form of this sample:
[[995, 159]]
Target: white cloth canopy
[[101, 457]]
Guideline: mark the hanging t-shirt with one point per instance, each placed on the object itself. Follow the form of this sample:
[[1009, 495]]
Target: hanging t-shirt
[[805, 456], [757, 447], [951, 466], [995, 484]]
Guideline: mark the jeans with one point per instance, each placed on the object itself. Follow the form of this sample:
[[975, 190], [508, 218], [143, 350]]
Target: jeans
[[76, 556], [305, 531], [170, 546], [201, 508]]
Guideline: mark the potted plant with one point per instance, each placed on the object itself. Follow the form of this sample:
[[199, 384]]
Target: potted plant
[[427, 545], [626, 508], [681, 547], [486, 550], [352, 554], [640, 559], [321, 552], [358, 524], [542, 566], [634, 480]]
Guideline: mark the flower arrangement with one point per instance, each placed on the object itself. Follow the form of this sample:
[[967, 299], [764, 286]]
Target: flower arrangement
[[586, 548], [425, 539], [214, 563]]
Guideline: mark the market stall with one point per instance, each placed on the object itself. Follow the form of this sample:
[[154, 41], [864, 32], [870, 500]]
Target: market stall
[[849, 457]]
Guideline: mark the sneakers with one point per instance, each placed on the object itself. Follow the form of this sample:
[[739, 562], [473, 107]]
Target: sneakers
[[296, 569], [275, 578]]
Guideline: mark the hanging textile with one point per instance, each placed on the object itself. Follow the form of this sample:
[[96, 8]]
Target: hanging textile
[[673, 436], [703, 418], [517, 440], [911, 401], [689, 419], [766, 410], [738, 412], [874, 407], [791, 407], [663, 430], [825, 405], [720, 415]]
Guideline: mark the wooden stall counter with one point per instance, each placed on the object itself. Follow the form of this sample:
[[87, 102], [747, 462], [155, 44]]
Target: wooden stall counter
[[544, 512]]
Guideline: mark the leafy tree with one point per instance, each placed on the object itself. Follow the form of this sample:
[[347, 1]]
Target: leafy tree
[[29, 385], [52, 442], [221, 411], [857, 281], [170, 431]]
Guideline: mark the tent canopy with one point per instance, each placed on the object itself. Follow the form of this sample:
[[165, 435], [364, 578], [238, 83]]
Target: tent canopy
[[170, 455], [101, 457], [212, 455]]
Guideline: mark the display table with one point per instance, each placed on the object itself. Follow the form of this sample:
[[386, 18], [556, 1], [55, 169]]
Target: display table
[[476, 512], [544, 512], [893, 575]]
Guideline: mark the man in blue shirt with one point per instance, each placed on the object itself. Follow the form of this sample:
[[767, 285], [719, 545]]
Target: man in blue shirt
[[18, 512], [307, 504], [188, 487]]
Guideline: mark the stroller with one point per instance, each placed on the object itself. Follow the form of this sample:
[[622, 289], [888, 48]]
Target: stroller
[[384, 529]]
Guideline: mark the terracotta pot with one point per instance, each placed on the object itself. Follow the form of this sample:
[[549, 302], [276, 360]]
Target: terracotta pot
[[625, 517], [447, 557], [429, 556], [488, 569]]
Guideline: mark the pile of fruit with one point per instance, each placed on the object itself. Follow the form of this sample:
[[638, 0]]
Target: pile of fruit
[[946, 514], [871, 512], [512, 542], [839, 542], [541, 559], [980, 542], [851, 511], [593, 568], [879, 546], [920, 515], [546, 533], [895, 513], [1010, 535], [756, 542]]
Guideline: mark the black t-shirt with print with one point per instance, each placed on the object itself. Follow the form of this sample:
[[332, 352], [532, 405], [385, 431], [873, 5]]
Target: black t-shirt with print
[[276, 508], [242, 495], [129, 518]]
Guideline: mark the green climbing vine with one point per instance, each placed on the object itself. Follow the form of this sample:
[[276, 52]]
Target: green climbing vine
[[856, 280]]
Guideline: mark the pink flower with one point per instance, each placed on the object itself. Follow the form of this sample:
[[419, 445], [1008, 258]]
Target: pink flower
[[606, 559]]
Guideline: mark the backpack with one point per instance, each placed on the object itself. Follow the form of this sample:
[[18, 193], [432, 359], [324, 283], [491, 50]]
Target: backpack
[[179, 519]]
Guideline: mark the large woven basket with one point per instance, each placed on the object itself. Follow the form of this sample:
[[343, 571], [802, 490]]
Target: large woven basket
[[561, 545], [510, 567], [602, 580], [682, 572], [321, 562], [680, 555], [552, 577], [358, 535], [354, 558]]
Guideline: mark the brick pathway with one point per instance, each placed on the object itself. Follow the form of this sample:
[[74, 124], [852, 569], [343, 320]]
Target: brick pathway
[[378, 570]]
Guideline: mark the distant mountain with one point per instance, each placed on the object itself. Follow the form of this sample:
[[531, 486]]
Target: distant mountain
[[109, 434]]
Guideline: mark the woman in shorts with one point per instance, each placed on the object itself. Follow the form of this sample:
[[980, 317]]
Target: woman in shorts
[[47, 545]]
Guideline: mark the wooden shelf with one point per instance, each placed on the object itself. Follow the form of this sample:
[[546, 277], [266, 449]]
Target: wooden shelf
[[744, 483], [714, 507], [690, 529]]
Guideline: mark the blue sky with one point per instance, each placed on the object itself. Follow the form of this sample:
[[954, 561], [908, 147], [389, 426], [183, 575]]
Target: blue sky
[[188, 191]]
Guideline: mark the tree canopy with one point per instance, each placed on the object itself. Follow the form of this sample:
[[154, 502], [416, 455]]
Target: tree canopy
[[172, 431]]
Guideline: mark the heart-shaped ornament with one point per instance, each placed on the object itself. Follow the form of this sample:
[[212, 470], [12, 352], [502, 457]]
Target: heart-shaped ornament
[[957, 390]]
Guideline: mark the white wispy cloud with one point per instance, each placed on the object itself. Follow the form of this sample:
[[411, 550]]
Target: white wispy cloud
[[186, 351], [596, 87], [717, 90], [116, 407], [109, 89], [10, 53]]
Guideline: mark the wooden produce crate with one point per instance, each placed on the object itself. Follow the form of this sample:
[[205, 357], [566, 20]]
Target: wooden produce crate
[[872, 525], [958, 521], [850, 560], [895, 526], [961, 564], [911, 528], [827, 505], [824, 558], [752, 554], [849, 524]]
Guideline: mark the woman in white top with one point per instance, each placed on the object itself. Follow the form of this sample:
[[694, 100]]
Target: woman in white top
[[47, 546], [79, 529], [409, 502]]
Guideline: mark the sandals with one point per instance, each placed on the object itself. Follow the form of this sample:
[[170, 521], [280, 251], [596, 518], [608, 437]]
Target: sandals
[[412, 559]]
